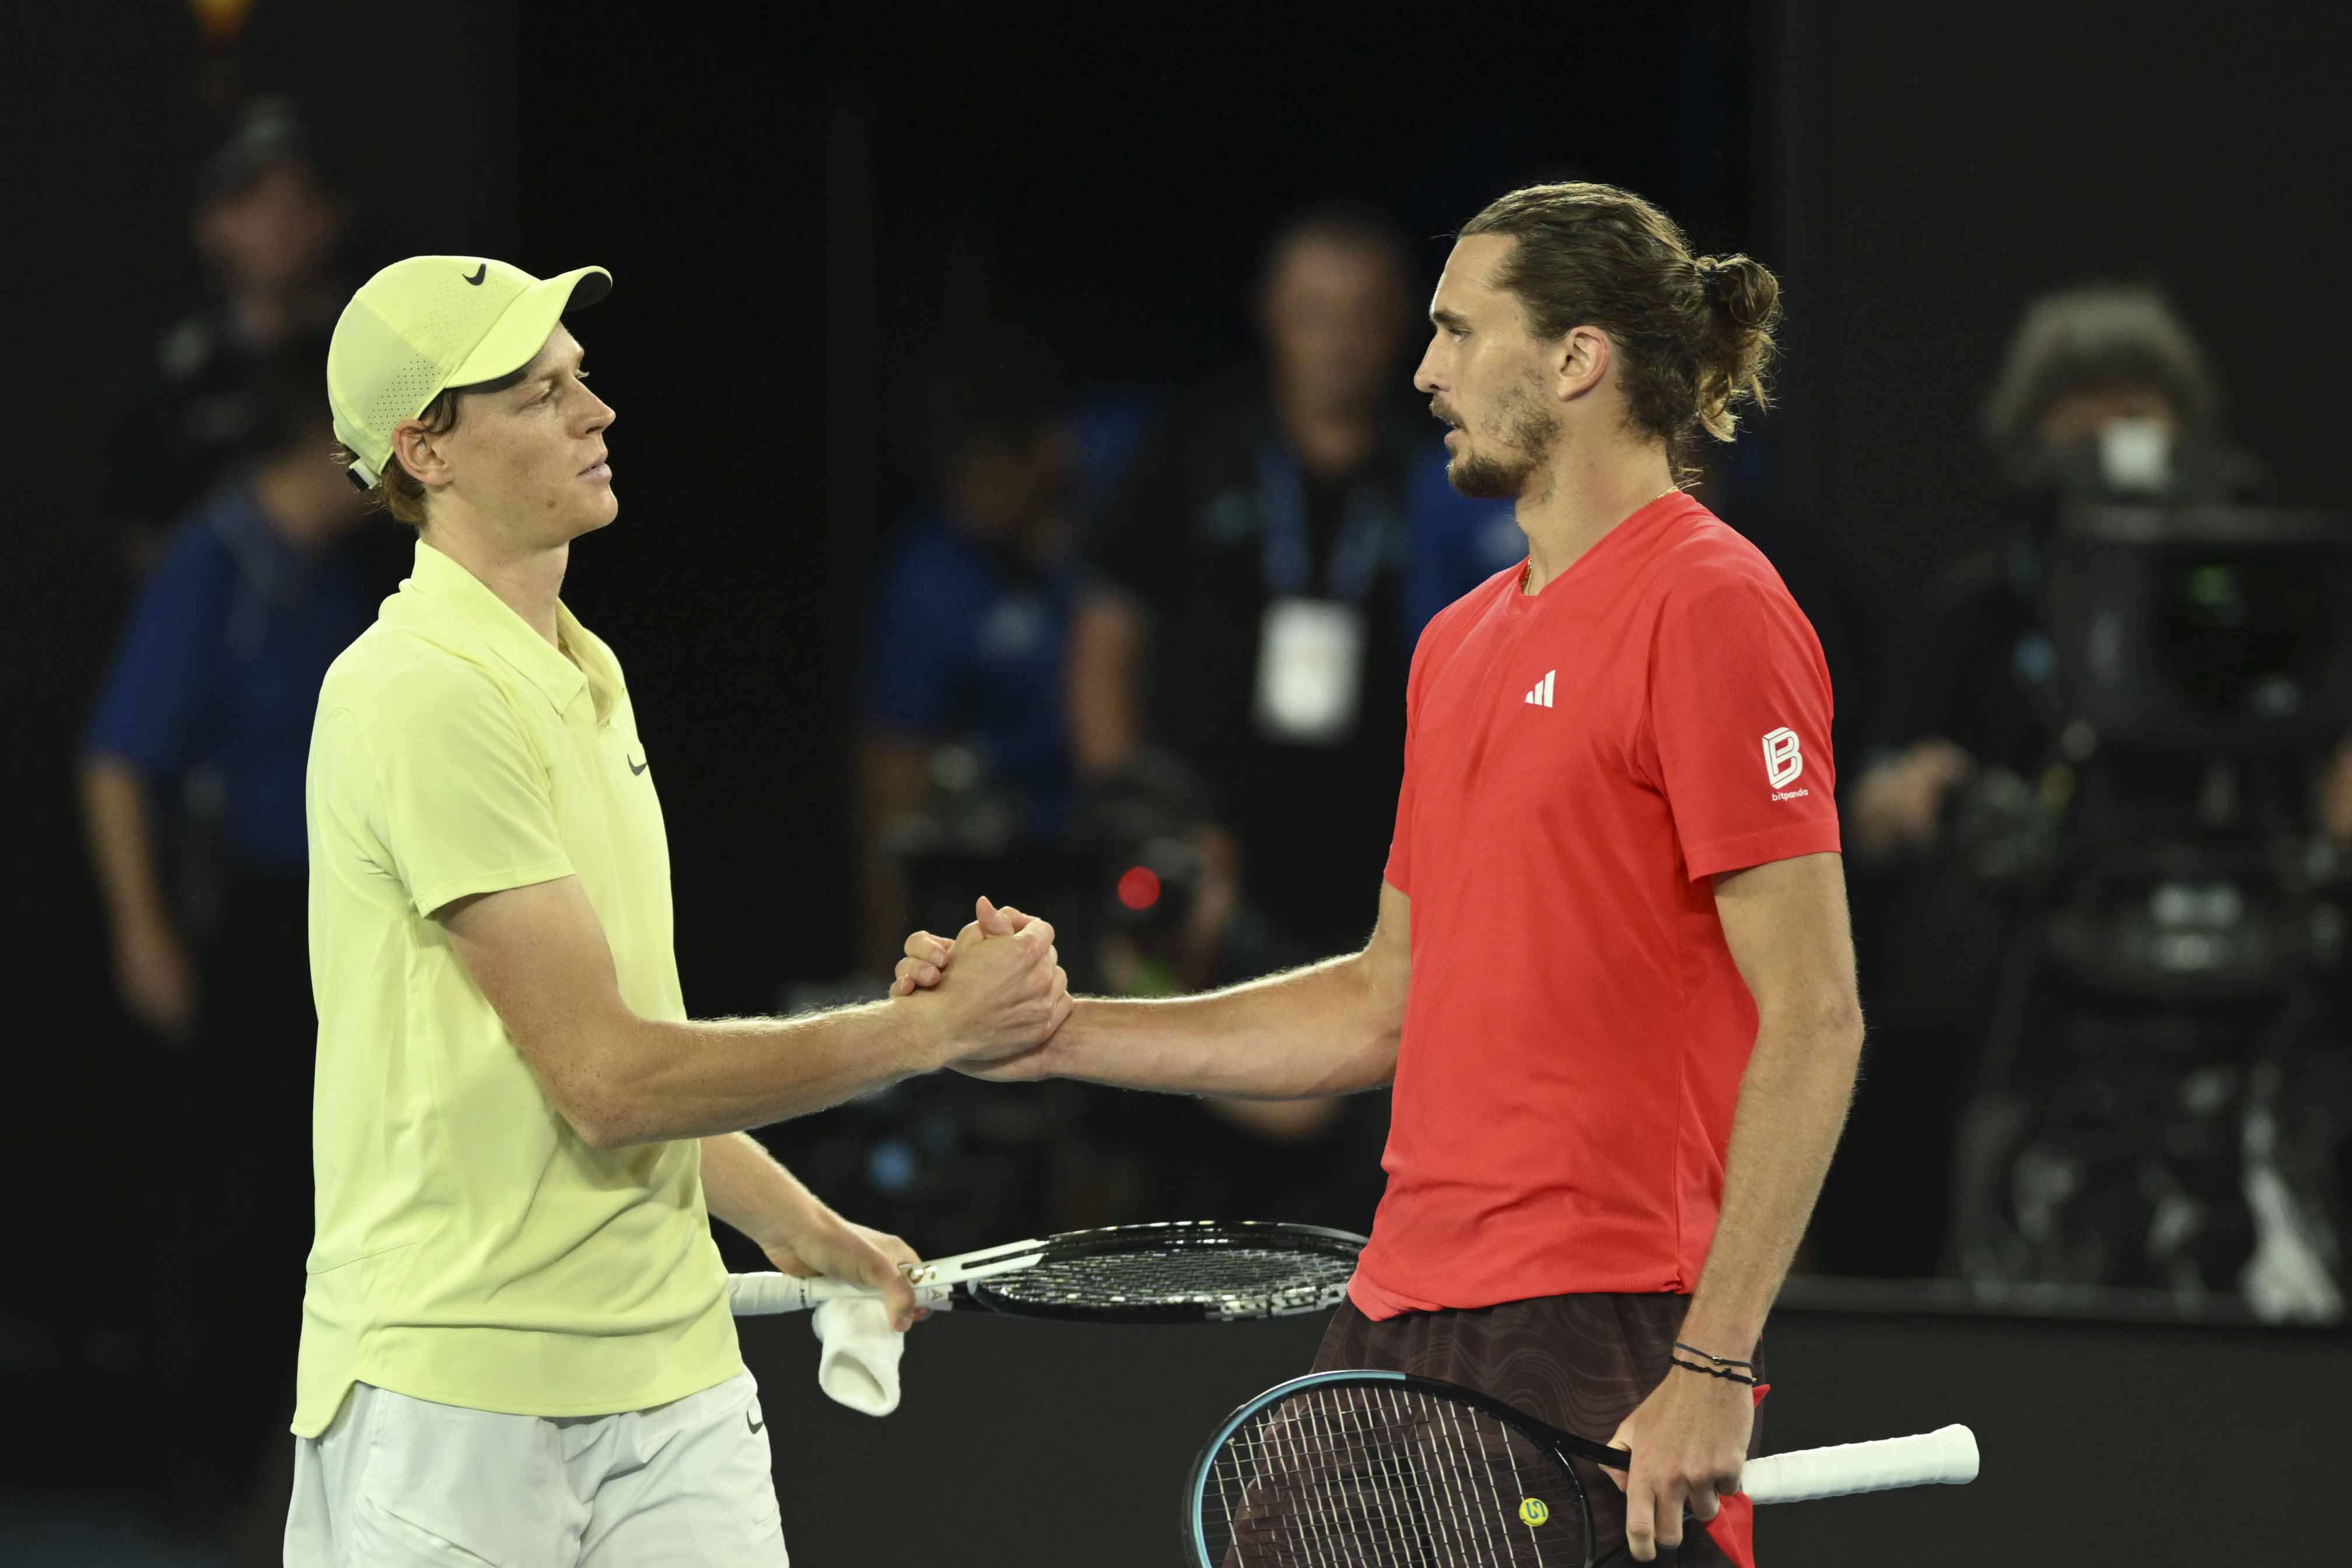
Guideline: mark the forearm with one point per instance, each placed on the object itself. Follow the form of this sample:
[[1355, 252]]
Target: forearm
[[744, 1186], [1325, 1029], [1792, 1105], [122, 842], [657, 1081]]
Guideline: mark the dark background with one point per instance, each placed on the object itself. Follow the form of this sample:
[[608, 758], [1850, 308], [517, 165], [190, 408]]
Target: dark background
[[793, 207]]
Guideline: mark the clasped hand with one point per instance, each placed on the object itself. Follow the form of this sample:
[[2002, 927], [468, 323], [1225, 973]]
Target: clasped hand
[[1002, 982]]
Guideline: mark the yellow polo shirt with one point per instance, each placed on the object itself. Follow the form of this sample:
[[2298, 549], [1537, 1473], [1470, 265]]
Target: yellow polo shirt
[[470, 1250]]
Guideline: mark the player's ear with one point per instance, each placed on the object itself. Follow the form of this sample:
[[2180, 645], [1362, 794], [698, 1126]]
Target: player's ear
[[418, 450], [1582, 360]]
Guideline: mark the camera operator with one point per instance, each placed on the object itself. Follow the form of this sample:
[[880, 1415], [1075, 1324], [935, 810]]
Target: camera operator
[[2090, 370], [2104, 779]]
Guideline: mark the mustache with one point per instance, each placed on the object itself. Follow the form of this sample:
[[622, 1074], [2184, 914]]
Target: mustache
[[1441, 415]]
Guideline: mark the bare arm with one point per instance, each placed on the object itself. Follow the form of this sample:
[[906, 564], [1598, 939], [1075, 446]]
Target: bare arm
[[1786, 927], [1788, 930], [151, 966], [1104, 682], [1332, 1027], [744, 1185], [539, 954], [122, 841]]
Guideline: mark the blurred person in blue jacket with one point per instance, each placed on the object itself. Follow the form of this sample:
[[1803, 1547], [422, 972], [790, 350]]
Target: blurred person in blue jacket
[[192, 775], [268, 227], [970, 618]]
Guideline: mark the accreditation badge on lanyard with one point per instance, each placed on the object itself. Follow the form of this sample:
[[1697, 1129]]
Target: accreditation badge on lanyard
[[1310, 671], [1310, 650]]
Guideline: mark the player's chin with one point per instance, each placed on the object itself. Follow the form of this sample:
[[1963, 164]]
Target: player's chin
[[602, 506]]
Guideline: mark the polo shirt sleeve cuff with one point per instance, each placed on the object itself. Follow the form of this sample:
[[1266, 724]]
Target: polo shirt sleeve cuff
[[1745, 849], [443, 894]]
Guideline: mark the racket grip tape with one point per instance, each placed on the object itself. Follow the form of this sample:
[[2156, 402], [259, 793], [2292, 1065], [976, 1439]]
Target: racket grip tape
[[1946, 1457], [760, 1295]]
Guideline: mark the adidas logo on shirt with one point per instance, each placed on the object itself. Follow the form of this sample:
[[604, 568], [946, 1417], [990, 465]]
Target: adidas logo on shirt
[[1541, 695]]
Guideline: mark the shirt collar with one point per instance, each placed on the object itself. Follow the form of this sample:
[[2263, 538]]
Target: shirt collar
[[441, 581]]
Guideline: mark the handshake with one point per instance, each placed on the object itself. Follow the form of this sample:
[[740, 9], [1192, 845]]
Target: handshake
[[995, 992]]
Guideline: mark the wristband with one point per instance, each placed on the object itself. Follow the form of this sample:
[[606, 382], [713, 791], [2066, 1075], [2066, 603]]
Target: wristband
[[1722, 1372], [1716, 1360]]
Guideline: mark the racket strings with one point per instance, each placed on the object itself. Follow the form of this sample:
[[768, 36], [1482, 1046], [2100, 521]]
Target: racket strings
[[1389, 1477], [1254, 1278]]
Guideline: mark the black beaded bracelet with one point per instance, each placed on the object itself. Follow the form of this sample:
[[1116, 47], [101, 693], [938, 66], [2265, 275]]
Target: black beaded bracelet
[[1717, 1360], [1722, 1372]]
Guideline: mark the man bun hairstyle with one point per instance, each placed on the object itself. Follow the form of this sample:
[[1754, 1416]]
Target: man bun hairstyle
[[1693, 333]]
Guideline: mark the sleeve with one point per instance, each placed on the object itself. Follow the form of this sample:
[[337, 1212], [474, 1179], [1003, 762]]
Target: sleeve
[[461, 801], [162, 674], [1399, 874], [911, 685], [1739, 717]]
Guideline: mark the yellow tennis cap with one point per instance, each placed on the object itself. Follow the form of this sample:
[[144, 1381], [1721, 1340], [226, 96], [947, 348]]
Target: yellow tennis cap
[[431, 322]]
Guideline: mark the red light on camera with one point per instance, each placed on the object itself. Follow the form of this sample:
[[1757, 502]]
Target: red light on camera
[[1139, 888]]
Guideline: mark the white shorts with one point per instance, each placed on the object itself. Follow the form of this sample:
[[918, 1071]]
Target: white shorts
[[396, 1482]]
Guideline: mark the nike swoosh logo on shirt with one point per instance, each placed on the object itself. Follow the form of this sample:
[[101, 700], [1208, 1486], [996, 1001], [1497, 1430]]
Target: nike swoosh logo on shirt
[[639, 767], [755, 1425]]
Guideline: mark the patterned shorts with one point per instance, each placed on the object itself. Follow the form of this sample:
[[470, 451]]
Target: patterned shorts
[[1582, 1364]]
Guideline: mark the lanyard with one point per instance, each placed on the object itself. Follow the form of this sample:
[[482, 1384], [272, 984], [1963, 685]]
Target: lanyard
[[1368, 534]]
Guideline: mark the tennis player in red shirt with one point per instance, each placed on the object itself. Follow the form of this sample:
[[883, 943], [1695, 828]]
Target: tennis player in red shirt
[[1612, 978]]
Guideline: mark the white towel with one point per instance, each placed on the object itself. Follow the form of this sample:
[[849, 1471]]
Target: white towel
[[858, 1363]]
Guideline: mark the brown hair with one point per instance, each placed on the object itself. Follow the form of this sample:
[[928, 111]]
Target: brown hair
[[1695, 331], [400, 493]]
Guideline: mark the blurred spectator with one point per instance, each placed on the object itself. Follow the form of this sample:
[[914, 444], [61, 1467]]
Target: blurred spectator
[[199, 741], [266, 226], [1253, 592], [1254, 589], [972, 618]]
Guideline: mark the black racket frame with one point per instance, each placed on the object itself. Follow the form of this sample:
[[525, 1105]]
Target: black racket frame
[[1561, 1446], [1004, 1293]]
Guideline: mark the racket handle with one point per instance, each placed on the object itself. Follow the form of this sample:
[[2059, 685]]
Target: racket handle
[[1946, 1457], [760, 1295]]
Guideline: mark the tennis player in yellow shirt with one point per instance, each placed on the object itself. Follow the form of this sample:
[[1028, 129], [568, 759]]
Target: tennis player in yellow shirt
[[515, 1345]]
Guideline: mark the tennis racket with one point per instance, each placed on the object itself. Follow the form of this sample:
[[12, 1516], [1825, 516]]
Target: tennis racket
[[1181, 1271], [1347, 1467]]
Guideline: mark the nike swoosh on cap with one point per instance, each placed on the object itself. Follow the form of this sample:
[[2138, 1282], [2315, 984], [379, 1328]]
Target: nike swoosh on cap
[[481, 272]]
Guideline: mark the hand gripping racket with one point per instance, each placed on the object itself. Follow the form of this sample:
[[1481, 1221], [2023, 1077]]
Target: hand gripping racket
[[1181, 1271], [1348, 1468]]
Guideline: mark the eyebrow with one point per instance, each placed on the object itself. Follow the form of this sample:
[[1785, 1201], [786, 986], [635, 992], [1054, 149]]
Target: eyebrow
[[561, 367], [1446, 318]]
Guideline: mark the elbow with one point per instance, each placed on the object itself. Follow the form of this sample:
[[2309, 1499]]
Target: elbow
[[1827, 1028], [1837, 1027], [595, 1134], [594, 1119], [599, 1096]]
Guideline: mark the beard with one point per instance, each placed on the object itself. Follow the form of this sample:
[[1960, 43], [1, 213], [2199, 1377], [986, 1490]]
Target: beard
[[1530, 432]]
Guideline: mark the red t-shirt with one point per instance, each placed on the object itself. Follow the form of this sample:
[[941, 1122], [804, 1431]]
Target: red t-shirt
[[1579, 764]]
